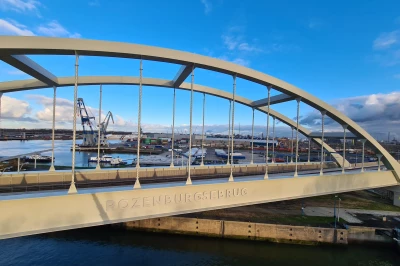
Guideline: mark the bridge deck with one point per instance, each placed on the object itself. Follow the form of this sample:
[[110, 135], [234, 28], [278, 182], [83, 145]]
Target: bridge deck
[[90, 207], [272, 176]]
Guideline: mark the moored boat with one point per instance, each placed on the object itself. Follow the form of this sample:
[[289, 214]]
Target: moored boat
[[37, 158], [103, 159], [117, 161]]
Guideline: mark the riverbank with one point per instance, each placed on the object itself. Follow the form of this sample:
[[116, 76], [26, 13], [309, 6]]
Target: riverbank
[[302, 211]]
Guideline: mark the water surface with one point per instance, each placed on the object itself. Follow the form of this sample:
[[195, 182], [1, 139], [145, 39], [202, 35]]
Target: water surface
[[104, 246]]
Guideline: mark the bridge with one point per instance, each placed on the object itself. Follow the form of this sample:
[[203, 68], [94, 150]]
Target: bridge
[[73, 206]]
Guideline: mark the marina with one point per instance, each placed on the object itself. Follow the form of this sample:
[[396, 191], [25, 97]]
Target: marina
[[160, 156]]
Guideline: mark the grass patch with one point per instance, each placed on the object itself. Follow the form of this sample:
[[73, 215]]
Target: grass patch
[[352, 200], [305, 220]]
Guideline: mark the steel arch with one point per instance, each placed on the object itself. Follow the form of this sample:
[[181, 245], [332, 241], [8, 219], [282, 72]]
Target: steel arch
[[31, 84], [13, 45]]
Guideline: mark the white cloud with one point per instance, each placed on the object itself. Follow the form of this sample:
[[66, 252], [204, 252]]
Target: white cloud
[[65, 110], [387, 58], [387, 49], [248, 48], [12, 108], [231, 42], [18, 113], [234, 40], [375, 113], [21, 6], [396, 76], [207, 6], [94, 3], [238, 48], [14, 28], [241, 61], [387, 40], [55, 29], [75, 35], [16, 72], [121, 122], [314, 24]]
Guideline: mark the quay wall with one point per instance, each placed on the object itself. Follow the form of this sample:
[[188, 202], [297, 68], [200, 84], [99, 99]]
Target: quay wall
[[241, 230], [367, 235]]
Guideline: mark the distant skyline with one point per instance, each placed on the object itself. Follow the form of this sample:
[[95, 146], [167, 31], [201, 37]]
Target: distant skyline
[[345, 53]]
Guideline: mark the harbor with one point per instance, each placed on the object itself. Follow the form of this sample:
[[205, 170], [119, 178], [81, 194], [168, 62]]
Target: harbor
[[155, 155]]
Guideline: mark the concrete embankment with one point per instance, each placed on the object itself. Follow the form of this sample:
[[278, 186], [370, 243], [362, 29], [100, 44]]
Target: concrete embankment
[[241, 230], [369, 235], [263, 232]]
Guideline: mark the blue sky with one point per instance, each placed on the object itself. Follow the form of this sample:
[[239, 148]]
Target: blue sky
[[346, 53]]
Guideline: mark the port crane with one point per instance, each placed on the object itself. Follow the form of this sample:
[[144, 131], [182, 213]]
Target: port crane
[[90, 136], [103, 128]]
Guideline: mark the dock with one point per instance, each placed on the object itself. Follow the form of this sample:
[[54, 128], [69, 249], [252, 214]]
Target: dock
[[118, 150]]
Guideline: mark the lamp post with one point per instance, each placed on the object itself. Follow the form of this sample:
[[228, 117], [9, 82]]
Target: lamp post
[[334, 210]]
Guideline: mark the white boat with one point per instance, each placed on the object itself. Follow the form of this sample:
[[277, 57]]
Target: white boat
[[37, 158], [103, 159], [159, 160], [117, 161]]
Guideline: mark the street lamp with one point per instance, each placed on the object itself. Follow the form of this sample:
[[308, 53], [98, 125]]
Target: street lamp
[[338, 218], [334, 210]]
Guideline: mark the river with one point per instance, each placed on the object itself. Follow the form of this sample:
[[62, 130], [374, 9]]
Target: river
[[62, 151], [105, 246]]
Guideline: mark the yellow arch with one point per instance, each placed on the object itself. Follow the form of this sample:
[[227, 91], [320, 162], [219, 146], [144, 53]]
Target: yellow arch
[[13, 45]]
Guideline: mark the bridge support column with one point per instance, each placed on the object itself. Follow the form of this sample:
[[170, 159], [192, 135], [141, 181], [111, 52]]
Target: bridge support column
[[173, 129], [267, 137], [189, 180], [291, 147], [139, 136], [229, 132], [309, 148], [233, 126], [72, 188], [363, 151], [273, 139], [52, 169], [298, 100], [321, 172], [202, 134], [344, 147], [98, 132], [252, 139], [379, 161]]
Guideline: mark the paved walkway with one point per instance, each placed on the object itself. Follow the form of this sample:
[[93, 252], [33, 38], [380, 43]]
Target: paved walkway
[[328, 212], [372, 212], [346, 214]]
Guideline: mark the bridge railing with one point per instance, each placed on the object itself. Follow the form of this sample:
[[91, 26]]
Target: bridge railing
[[33, 181]]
